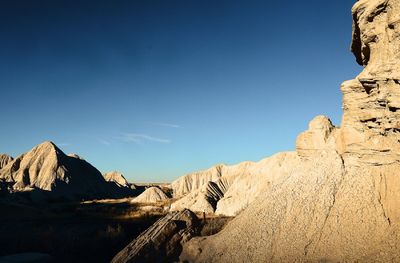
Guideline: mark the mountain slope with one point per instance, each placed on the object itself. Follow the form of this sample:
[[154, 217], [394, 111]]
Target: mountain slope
[[228, 193], [5, 159], [47, 168], [116, 178]]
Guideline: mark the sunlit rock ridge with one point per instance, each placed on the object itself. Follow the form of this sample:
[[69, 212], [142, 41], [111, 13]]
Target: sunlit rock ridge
[[338, 198], [46, 171]]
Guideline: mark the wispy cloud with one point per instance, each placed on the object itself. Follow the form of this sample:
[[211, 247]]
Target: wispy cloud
[[164, 124], [104, 142], [63, 144], [139, 138]]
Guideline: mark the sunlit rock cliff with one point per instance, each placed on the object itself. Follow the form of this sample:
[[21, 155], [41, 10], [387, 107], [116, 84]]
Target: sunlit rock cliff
[[339, 199]]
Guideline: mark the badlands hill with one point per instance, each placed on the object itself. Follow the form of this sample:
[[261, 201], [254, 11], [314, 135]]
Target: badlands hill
[[223, 189], [151, 195], [338, 198], [117, 178], [48, 170], [4, 160]]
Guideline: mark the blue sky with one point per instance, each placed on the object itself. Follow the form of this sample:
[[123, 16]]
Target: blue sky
[[156, 89]]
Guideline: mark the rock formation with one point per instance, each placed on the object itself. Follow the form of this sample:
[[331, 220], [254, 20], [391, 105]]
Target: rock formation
[[228, 194], [116, 178], [48, 169], [194, 181], [4, 160], [151, 195], [203, 199], [339, 200], [162, 242]]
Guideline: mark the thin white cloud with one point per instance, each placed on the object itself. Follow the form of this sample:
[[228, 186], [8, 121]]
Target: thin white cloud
[[62, 144], [164, 124], [139, 138], [104, 142]]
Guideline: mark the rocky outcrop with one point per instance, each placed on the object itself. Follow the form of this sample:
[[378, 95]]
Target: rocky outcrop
[[48, 169], [193, 181], [117, 178], [203, 199], [321, 135], [339, 199], [5, 159], [151, 195], [371, 102], [376, 40], [271, 228], [162, 242], [229, 194], [261, 176]]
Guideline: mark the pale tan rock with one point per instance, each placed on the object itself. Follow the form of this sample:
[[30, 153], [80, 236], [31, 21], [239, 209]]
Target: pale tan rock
[[340, 199], [194, 181], [74, 155], [47, 168], [321, 135], [151, 195], [5, 159], [322, 211], [376, 38], [116, 178], [162, 242], [244, 189], [371, 102], [227, 194], [201, 200]]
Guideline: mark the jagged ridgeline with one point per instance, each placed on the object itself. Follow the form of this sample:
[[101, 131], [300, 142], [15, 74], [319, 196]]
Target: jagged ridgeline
[[46, 172], [339, 200]]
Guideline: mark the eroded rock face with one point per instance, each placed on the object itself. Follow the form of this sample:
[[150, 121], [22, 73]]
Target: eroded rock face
[[194, 181], [48, 169], [339, 201], [376, 38], [151, 195], [278, 225], [321, 135], [162, 242], [116, 178], [5, 159], [371, 102], [203, 199], [228, 193]]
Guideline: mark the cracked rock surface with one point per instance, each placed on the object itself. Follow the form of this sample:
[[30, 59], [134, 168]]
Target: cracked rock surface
[[162, 242]]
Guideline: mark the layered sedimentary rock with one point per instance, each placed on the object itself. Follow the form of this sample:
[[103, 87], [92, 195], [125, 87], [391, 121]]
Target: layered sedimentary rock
[[47, 168], [203, 199], [194, 181], [340, 198], [162, 242], [5, 159], [321, 135], [271, 228], [261, 176], [229, 193], [151, 195], [117, 178], [371, 102]]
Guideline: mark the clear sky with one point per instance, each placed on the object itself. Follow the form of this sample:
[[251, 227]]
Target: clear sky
[[156, 89]]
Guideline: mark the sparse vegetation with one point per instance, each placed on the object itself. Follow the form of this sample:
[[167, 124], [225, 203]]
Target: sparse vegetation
[[213, 225], [74, 232]]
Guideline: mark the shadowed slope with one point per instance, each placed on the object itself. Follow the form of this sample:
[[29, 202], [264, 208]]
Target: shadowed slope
[[47, 168]]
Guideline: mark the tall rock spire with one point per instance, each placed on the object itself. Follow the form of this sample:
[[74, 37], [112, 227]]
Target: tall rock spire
[[340, 199], [371, 102]]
